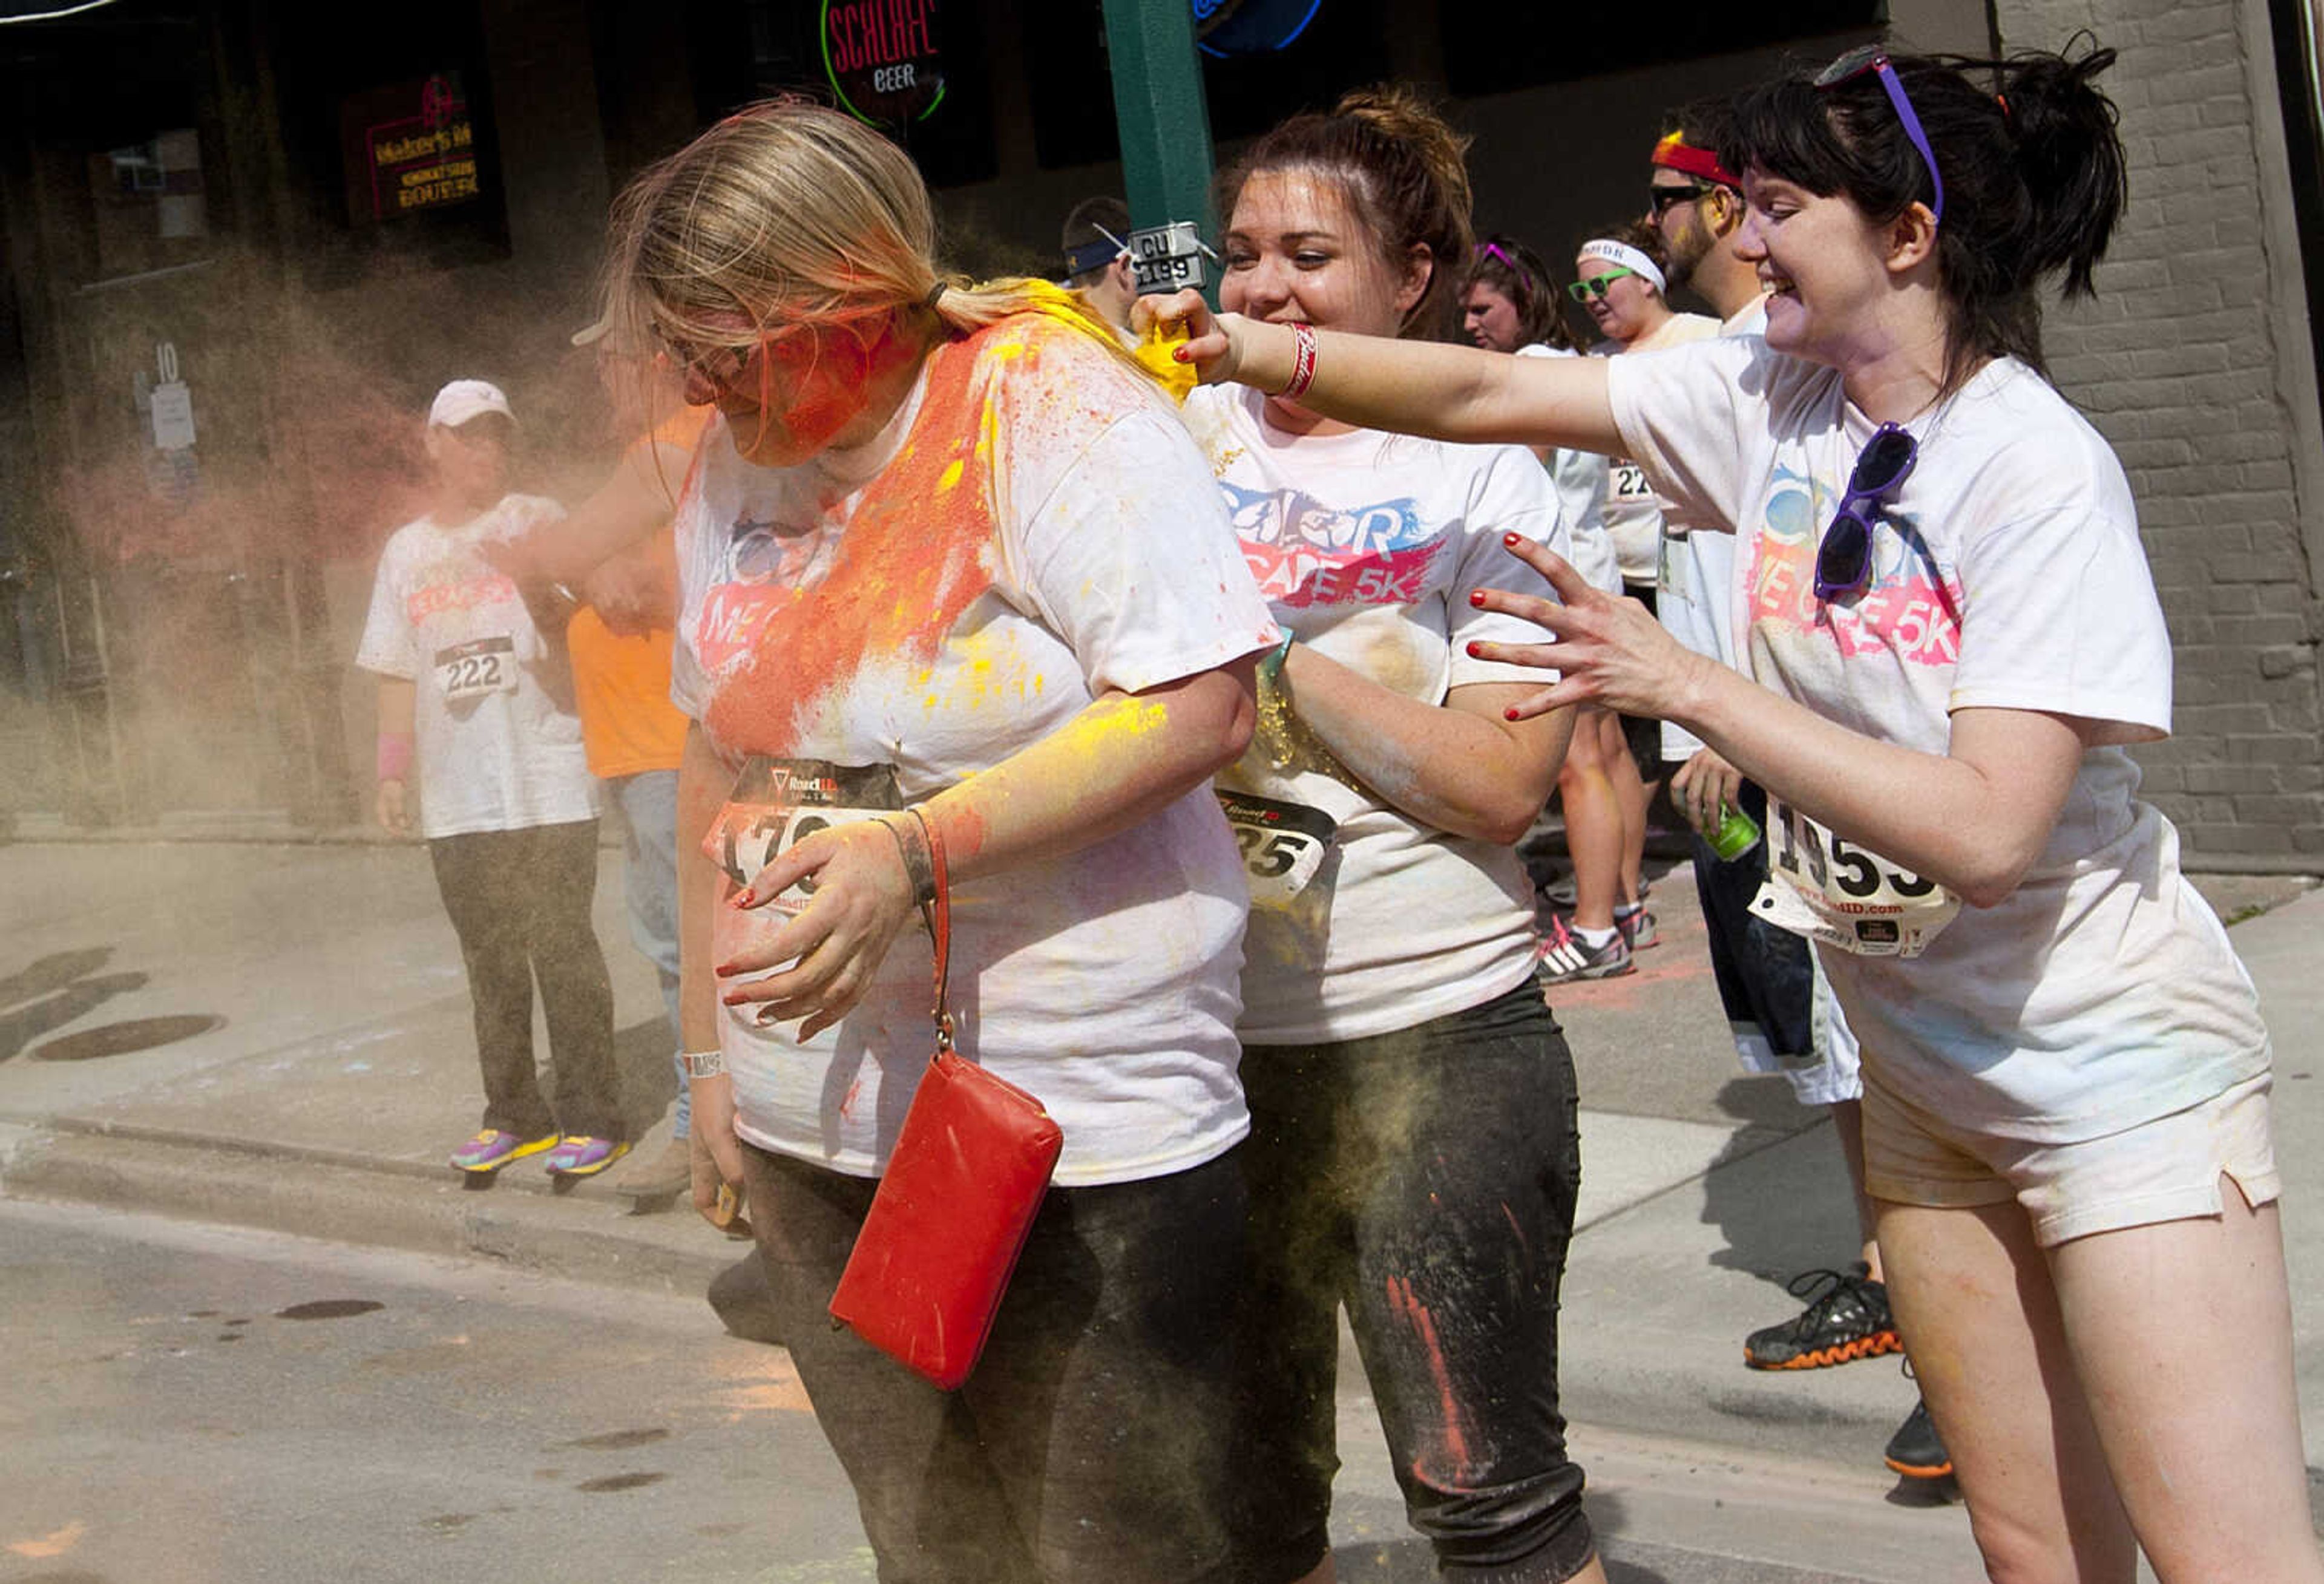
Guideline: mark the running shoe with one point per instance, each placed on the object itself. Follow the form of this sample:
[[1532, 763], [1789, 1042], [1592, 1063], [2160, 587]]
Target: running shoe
[[492, 1149], [1561, 894], [1563, 958], [1916, 1451], [577, 1155], [1847, 1318], [1638, 927]]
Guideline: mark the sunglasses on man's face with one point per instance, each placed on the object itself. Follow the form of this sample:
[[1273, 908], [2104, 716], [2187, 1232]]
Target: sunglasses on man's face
[[1872, 58], [1661, 199], [1584, 291], [1844, 557]]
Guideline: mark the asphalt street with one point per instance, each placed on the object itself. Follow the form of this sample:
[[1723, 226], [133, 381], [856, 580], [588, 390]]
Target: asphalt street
[[183, 1404]]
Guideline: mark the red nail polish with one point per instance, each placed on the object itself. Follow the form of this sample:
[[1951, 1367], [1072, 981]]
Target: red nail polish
[[1511, 540], [724, 969], [1472, 652], [1477, 598], [1510, 715]]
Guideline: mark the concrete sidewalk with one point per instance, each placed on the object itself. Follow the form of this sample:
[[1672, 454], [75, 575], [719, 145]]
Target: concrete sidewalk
[[322, 1066]]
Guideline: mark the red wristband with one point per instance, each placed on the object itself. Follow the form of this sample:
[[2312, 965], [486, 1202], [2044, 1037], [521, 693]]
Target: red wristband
[[1303, 363]]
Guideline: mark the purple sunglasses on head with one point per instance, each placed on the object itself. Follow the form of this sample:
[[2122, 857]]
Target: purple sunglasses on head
[[1874, 58]]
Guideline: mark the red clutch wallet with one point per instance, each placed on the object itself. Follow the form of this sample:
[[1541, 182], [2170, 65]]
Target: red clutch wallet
[[968, 1173]]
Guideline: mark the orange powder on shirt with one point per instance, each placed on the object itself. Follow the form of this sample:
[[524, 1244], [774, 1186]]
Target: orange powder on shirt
[[912, 556]]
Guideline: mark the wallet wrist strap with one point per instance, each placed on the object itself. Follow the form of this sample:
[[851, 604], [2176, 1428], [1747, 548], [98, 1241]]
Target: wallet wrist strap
[[937, 914]]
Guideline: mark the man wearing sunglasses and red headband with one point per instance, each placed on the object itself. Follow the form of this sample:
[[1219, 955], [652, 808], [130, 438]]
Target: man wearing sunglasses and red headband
[[1697, 204]]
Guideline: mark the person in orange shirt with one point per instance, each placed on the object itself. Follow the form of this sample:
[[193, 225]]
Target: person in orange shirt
[[619, 642]]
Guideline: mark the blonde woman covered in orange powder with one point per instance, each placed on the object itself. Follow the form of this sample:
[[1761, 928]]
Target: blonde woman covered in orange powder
[[926, 596]]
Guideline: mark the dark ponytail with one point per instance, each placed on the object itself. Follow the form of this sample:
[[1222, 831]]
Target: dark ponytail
[[2035, 178], [1405, 174], [2071, 158]]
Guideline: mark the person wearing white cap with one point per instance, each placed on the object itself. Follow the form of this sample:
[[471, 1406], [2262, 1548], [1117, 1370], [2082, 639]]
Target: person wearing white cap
[[477, 699], [1621, 281]]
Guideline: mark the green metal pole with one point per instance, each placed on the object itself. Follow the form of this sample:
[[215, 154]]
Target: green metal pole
[[1165, 123]]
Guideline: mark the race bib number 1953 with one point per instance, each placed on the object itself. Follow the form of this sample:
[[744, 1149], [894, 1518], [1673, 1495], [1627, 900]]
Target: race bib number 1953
[[1828, 889], [779, 802]]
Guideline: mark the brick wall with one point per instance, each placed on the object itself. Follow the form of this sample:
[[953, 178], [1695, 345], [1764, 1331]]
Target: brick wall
[[2177, 364]]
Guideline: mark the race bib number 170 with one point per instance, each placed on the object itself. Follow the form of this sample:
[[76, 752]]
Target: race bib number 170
[[779, 802], [1830, 889]]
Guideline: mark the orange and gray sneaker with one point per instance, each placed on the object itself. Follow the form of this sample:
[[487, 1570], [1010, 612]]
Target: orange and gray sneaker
[[1847, 1319], [577, 1155], [1916, 1451]]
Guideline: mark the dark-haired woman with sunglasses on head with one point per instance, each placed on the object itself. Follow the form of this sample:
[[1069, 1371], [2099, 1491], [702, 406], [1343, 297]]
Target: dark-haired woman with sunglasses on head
[[1952, 636]]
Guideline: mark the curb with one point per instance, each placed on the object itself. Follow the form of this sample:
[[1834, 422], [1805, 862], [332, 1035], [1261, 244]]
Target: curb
[[526, 1224], [583, 1238]]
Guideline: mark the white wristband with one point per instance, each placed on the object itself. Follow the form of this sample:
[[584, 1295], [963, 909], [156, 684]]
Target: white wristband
[[708, 1064]]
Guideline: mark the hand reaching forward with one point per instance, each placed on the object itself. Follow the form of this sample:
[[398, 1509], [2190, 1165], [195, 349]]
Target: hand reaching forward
[[1607, 650]]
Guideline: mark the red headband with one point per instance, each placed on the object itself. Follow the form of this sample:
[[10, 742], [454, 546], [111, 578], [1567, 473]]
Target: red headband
[[1675, 153]]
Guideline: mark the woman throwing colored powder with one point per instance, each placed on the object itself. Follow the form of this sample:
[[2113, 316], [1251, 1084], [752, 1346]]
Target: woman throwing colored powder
[[926, 595], [1952, 634], [1413, 1151]]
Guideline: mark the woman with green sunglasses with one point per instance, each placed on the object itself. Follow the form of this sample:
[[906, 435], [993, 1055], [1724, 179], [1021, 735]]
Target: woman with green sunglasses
[[1607, 782]]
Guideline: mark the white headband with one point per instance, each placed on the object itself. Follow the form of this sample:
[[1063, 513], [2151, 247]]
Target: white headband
[[1629, 257]]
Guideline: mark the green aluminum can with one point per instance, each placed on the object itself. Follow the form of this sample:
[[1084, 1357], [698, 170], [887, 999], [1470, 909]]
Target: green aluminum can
[[1736, 835]]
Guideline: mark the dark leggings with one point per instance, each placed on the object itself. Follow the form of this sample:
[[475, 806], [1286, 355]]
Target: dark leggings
[[1765, 973], [1426, 1180], [520, 903], [1090, 1442]]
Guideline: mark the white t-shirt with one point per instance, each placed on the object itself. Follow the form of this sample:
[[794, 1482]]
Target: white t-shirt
[[1032, 529], [1694, 592], [1633, 515], [1366, 547], [498, 744], [1580, 478], [2102, 992]]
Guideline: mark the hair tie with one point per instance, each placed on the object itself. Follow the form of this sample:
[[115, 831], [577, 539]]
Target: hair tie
[[935, 292], [1624, 254]]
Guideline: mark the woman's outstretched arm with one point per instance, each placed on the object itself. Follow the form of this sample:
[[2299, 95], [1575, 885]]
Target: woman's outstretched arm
[[1446, 393]]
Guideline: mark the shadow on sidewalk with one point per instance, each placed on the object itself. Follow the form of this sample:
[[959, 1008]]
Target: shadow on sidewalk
[[1783, 1207], [55, 991]]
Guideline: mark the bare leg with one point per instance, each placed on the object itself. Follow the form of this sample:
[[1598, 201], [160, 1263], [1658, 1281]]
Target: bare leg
[[1593, 825], [1622, 773], [1847, 1123], [1973, 1299], [2182, 1334]]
